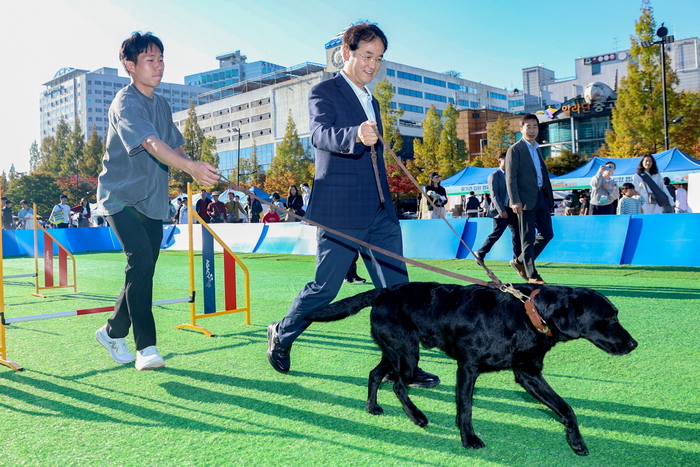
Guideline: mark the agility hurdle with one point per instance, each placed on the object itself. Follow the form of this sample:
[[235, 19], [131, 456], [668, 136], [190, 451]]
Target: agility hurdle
[[209, 293], [209, 275], [48, 262]]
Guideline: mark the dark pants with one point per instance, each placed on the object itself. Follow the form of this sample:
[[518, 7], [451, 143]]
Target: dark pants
[[499, 226], [140, 237], [352, 271], [602, 210], [333, 259], [539, 219]]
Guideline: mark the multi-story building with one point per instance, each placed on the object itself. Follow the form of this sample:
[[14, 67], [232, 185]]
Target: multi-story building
[[233, 69], [258, 107], [86, 95], [577, 110]]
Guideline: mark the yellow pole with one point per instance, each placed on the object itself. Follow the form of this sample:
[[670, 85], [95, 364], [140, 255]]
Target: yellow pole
[[190, 230], [3, 348]]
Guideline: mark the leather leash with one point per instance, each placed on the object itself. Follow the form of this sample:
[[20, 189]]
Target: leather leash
[[529, 302], [495, 283]]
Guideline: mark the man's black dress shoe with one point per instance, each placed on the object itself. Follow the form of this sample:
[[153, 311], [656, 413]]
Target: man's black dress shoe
[[277, 354], [421, 379]]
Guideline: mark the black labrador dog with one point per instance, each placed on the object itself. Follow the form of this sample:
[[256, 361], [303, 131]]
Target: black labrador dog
[[484, 330]]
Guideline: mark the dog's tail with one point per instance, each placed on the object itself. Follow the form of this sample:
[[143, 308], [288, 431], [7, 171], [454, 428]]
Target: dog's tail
[[345, 307]]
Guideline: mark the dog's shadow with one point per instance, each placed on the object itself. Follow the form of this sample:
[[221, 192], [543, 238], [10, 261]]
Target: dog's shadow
[[519, 402]]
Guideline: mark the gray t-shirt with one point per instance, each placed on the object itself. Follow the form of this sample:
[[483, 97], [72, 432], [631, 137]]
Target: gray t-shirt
[[130, 175]]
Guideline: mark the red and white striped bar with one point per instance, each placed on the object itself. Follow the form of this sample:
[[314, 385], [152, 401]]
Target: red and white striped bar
[[86, 311]]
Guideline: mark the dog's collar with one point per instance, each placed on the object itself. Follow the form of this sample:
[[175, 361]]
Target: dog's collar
[[535, 318]]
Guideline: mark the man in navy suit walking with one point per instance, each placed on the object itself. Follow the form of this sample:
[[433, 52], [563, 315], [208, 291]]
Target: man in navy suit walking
[[503, 215], [347, 195], [531, 198]]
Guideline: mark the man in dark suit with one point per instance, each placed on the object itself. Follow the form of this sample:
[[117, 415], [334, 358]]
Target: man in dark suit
[[347, 196], [531, 197], [503, 215]]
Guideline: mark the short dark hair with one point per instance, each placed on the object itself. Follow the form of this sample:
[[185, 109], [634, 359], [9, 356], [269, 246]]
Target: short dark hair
[[137, 44], [63, 196], [627, 186], [526, 117], [654, 169], [363, 32], [502, 155]]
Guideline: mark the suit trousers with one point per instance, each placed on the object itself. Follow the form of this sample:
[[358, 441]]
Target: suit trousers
[[499, 226], [531, 220], [140, 237], [333, 259]]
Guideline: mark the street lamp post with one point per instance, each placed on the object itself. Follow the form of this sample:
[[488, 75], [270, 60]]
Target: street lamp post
[[664, 39], [238, 155]]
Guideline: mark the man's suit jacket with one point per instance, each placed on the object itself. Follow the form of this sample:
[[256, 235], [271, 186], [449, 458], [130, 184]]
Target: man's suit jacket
[[521, 177], [345, 193], [499, 193]]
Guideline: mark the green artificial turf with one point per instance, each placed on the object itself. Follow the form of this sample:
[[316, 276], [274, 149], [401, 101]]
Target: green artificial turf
[[219, 402]]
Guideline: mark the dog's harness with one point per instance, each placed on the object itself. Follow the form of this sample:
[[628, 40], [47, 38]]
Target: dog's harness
[[495, 283]]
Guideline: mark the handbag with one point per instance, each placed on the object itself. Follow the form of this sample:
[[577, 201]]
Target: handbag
[[57, 217], [656, 196]]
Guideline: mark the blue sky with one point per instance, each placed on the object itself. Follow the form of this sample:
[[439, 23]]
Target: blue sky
[[485, 40]]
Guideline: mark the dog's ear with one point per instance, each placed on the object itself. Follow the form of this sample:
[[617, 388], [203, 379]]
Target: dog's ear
[[560, 306]]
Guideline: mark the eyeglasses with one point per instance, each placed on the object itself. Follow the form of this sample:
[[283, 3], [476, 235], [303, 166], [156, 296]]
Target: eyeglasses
[[367, 58]]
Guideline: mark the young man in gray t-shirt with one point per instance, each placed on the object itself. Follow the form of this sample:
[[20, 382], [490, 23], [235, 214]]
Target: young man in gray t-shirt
[[132, 192]]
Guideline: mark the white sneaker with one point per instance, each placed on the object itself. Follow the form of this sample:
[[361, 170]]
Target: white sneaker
[[149, 359], [117, 347]]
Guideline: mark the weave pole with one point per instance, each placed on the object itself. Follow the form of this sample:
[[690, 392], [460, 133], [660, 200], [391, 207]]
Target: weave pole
[[209, 275], [48, 261]]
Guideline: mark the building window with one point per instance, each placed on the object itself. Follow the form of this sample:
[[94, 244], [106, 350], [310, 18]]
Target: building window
[[390, 72], [410, 76], [411, 108], [519, 103], [410, 92], [500, 109], [458, 87], [496, 95], [98, 82], [595, 68], [434, 82], [435, 97]]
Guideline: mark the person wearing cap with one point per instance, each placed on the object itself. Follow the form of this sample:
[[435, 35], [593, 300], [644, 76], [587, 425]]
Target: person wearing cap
[[216, 209], [7, 223], [202, 204], [234, 208], [182, 212]]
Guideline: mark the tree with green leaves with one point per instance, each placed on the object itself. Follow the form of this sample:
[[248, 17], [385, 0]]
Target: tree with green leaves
[[34, 157], [45, 154], [39, 188], [638, 117], [60, 147], [452, 153], [4, 184], [91, 163], [565, 163], [500, 138], [425, 152], [194, 140], [384, 92], [74, 150], [290, 165]]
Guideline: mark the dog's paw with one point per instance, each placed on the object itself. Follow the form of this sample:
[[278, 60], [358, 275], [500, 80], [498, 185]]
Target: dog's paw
[[374, 409], [419, 419], [576, 442], [472, 442]]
